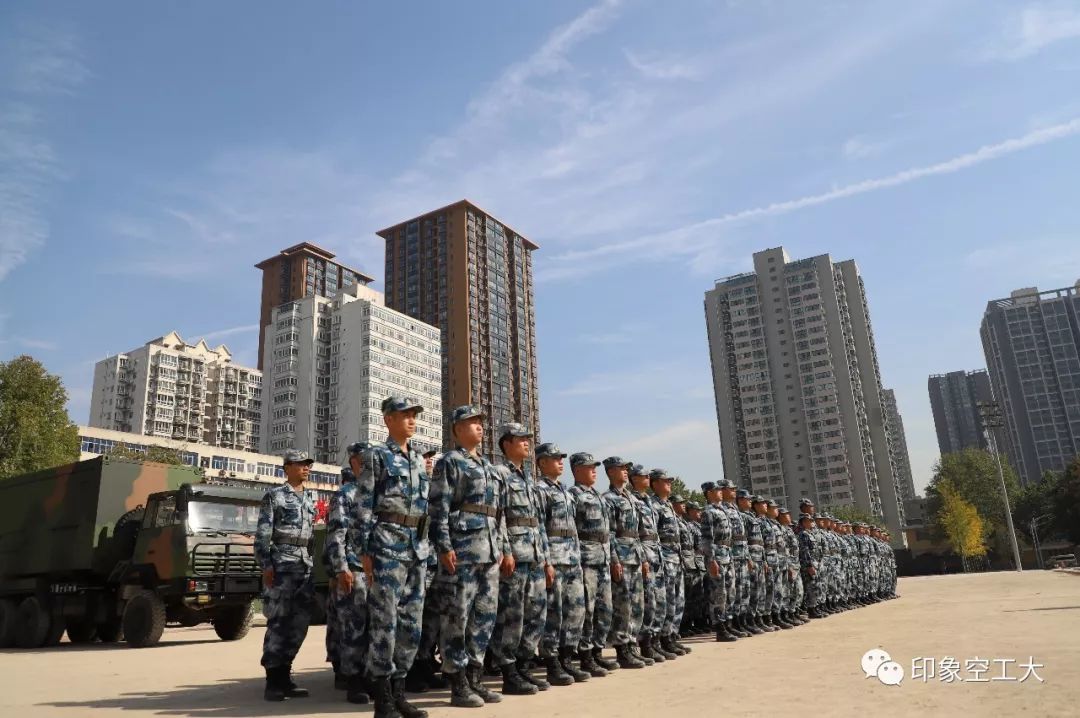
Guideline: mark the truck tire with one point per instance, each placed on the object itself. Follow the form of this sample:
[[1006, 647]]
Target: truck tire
[[9, 611], [81, 631], [144, 619], [233, 622], [32, 627]]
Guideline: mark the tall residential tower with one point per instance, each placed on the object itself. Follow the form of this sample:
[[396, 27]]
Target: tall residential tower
[[954, 399]]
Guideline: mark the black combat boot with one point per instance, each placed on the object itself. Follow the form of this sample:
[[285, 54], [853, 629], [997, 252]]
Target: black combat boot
[[634, 647], [605, 663], [747, 624], [356, 690], [627, 659], [476, 682], [733, 627], [522, 667], [556, 674], [668, 647], [461, 693], [490, 669], [650, 650], [566, 658], [275, 688], [406, 709], [291, 689], [591, 666], [416, 681], [384, 698], [680, 645], [723, 635], [514, 684]]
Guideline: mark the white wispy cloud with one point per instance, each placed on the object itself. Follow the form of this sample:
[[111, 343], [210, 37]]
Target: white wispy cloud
[[693, 236], [663, 68], [42, 62], [1035, 28], [220, 333], [860, 147]]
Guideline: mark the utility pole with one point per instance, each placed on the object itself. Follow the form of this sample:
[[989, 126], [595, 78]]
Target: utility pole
[[990, 412], [1035, 538]]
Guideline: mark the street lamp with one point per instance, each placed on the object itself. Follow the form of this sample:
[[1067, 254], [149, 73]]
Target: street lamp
[[992, 418], [1035, 537]]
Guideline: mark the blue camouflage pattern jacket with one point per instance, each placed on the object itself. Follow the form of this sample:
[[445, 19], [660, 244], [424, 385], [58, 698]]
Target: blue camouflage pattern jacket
[[650, 537], [525, 527], [667, 526], [340, 550], [557, 512], [716, 535], [466, 508], [594, 535], [285, 530], [393, 485], [624, 522], [755, 540]]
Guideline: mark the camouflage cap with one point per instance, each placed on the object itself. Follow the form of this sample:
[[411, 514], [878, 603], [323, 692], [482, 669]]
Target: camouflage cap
[[805, 502], [782, 511], [743, 494], [583, 458], [468, 411], [758, 499], [358, 447], [295, 456], [658, 475], [693, 506], [638, 470], [513, 429], [549, 450], [771, 503], [725, 484], [806, 517], [677, 499], [616, 462], [399, 403], [708, 486], [430, 453]]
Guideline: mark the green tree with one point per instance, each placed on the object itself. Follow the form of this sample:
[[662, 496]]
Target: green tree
[[678, 487], [973, 474], [853, 514], [158, 454], [961, 524], [1034, 501], [1066, 502], [35, 431]]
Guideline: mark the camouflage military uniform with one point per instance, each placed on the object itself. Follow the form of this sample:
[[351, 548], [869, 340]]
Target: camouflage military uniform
[[627, 595], [283, 542], [566, 596], [739, 598], [466, 498], [392, 509], [789, 553], [809, 558], [688, 543], [667, 525], [756, 546], [597, 549], [346, 613], [523, 596], [774, 586], [716, 537], [655, 586]]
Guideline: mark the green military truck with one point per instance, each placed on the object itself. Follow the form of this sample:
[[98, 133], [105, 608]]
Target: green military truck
[[114, 549]]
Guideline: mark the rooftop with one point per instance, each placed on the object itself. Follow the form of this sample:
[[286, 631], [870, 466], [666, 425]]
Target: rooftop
[[386, 233], [312, 250]]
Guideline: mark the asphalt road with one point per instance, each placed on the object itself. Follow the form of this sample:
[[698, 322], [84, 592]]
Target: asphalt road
[[1030, 618]]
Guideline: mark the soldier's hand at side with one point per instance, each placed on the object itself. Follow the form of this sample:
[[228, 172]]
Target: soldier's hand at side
[[345, 582], [811, 570], [369, 569], [268, 577], [616, 572], [645, 569], [751, 565], [449, 561], [549, 575], [714, 569], [508, 565]]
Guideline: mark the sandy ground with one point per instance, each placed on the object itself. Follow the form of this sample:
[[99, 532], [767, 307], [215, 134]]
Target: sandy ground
[[988, 616]]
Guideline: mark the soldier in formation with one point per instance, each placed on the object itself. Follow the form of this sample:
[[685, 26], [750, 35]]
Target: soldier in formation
[[524, 565]]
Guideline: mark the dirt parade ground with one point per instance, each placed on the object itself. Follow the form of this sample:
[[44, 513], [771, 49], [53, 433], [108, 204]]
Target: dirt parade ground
[[1000, 644]]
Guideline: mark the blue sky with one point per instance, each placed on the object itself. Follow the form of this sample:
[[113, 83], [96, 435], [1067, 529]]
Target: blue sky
[[151, 153]]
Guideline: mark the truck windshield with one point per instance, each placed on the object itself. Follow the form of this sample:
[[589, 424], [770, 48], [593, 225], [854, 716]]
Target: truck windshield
[[215, 516]]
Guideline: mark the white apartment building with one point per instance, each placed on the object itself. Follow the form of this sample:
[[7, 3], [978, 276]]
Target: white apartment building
[[798, 389], [171, 389], [329, 363]]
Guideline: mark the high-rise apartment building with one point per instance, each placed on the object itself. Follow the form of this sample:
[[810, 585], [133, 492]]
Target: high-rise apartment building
[[169, 388], [303, 270], [798, 389], [954, 400], [1032, 346], [331, 362], [465, 272], [901, 462]]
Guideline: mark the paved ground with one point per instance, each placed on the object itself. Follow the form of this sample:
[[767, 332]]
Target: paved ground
[[987, 616]]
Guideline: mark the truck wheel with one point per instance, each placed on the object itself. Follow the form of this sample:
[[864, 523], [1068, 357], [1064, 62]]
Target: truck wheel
[[233, 622], [144, 619], [9, 611], [33, 623], [81, 631]]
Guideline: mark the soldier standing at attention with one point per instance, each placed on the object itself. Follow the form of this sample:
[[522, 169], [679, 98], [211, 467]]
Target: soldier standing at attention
[[667, 525], [687, 549], [598, 561], [523, 593], [392, 539], [809, 564], [283, 548], [716, 544], [739, 582], [779, 585], [470, 535], [756, 546], [628, 588], [652, 620], [699, 621], [424, 673], [793, 579], [566, 595]]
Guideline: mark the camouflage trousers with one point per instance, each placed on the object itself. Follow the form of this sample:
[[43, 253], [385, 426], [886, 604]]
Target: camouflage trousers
[[795, 591], [691, 587], [333, 645], [287, 605], [470, 618], [772, 580], [740, 602], [756, 600], [811, 590], [395, 609], [522, 610], [721, 593], [346, 619], [435, 607], [627, 606], [674, 597], [565, 611], [781, 587], [597, 623], [655, 601]]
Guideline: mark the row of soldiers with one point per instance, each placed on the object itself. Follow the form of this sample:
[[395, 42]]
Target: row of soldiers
[[470, 560]]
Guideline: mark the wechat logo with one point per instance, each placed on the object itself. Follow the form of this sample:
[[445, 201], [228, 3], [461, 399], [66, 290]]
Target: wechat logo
[[877, 663]]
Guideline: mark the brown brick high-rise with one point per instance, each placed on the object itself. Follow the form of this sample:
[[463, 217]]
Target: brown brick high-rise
[[460, 269]]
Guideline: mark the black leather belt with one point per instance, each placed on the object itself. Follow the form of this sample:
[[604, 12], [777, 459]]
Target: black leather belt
[[531, 522], [292, 541], [561, 533], [479, 509], [594, 536], [626, 534], [406, 520]]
